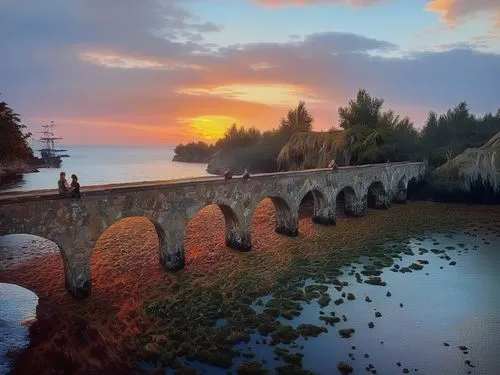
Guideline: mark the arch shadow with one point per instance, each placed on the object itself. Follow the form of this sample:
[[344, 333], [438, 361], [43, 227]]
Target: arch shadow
[[416, 189], [377, 196], [399, 194], [286, 220], [314, 204], [345, 202], [204, 230]]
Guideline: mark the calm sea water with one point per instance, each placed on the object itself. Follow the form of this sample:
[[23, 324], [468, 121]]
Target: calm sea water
[[97, 165], [17, 311]]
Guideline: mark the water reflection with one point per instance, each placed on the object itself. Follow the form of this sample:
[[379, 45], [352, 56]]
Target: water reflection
[[17, 312]]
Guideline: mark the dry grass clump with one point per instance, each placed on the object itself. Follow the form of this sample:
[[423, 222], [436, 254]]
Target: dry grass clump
[[308, 150], [472, 168]]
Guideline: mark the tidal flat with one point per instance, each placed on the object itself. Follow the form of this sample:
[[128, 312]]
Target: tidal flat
[[411, 289]]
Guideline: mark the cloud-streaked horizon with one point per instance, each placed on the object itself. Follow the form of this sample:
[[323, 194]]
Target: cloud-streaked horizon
[[150, 72]]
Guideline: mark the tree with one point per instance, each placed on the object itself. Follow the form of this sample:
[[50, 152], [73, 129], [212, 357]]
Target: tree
[[364, 111], [372, 136], [239, 137], [448, 135], [13, 140], [296, 120]]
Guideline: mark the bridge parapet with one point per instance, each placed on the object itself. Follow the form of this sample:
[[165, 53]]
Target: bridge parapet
[[76, 224]]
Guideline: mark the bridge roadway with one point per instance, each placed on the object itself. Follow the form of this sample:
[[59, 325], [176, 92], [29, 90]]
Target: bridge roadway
[[76, 224]]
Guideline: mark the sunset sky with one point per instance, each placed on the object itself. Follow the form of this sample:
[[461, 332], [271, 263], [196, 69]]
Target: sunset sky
[[170, 71]]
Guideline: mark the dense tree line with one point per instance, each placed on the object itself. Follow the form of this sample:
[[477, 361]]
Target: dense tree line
[[372, 134], [449, 134], [13, 138]]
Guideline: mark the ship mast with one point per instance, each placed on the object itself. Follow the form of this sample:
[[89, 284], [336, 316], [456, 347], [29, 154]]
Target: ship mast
[[48, 136]]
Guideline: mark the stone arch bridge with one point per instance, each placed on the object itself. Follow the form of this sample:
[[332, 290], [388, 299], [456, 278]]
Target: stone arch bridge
[[76, 224]]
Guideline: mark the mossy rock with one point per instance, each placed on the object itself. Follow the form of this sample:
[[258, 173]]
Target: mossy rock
[[416, 266], [324, 300], [316, 287], [274, 313], [215, 357], [267, 326], [310, 330], [383, 262], [408, 251], [346, 332], [251, 368], [344, 368], [375, 281], [290, 314], [284, 334], [290, 358], [331, 320], [298, 295], [312, 295], [292, 370], [283, 304]]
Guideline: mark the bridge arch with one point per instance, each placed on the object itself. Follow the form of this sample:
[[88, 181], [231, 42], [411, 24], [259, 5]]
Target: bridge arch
[[286, 215], [348, 203], [377, 195], [322, 211], [21, 250], [237, 235], [130, 246], [400, 190]]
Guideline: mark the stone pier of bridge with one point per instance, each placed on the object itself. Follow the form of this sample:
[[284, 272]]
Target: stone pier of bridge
[[76, 224]]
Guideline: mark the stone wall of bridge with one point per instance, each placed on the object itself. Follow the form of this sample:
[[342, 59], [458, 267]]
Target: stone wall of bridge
[[76, 224]]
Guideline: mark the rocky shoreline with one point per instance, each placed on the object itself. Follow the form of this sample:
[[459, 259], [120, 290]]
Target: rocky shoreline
[[172, 314], [11, 170]]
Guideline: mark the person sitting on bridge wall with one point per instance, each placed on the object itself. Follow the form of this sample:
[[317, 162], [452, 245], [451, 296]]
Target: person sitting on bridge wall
[[333, 165], [63, 185], [75, 187], [227, 174], [246, 175]]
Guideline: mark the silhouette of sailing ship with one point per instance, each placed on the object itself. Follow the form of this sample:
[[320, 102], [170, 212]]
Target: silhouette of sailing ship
[[50, 156]]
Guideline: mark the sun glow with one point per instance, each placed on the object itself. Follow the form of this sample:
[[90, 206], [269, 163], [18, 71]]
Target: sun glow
[[210, 128], [269, 94]]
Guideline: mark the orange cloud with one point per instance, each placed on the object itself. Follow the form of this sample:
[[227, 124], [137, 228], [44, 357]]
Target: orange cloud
[[454, 11], [270, 94]]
